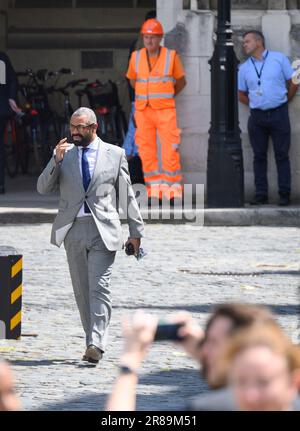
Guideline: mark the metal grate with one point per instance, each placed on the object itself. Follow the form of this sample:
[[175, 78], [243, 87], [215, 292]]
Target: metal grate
[[97, 60]]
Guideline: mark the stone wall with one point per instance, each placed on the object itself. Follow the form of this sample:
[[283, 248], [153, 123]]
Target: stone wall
[[193, 35]]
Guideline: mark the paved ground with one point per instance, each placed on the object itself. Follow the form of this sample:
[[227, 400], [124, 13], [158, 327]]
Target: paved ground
[[187, 267]]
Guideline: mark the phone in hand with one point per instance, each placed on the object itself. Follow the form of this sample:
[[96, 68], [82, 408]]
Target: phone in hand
[[167, 331], [129, 250], [69, 137]]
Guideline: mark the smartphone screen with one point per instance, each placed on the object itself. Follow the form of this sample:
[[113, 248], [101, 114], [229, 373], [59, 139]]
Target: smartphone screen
[[167, 332]]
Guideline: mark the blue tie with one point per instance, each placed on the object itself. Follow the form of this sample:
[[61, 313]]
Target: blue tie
[[86, 177]]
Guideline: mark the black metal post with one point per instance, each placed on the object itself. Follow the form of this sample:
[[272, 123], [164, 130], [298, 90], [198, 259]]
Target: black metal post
[[225, 173]]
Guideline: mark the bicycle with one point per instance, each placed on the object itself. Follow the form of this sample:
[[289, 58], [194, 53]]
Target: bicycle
[[64, 120], [15, 146], [104, 100], [38, 121]]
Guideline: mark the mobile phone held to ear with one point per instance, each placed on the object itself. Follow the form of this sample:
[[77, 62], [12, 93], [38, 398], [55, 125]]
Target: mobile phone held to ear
[[167, 331]]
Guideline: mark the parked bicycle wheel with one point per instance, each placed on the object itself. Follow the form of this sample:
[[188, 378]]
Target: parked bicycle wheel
[[37, 146], [10, 148]]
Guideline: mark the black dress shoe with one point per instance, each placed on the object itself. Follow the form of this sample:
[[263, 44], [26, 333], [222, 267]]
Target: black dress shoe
[[93, 354], [259, 200], [284, 201]]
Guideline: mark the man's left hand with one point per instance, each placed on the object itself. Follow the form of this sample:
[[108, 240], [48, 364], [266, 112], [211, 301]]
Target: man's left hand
[[136, 242]]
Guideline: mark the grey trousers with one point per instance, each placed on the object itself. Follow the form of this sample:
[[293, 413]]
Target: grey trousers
[[90, 265]]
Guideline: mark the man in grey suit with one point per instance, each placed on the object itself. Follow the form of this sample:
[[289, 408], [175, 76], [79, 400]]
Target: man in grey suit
[[92, 177]]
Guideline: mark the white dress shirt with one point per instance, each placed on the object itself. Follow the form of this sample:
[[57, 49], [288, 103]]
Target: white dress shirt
[[91, 155]]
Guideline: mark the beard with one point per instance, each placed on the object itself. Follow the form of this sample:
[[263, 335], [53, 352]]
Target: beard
[[84, 141]]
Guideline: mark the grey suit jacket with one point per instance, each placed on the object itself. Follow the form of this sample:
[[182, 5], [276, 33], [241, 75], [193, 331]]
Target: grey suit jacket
[[110, 176]]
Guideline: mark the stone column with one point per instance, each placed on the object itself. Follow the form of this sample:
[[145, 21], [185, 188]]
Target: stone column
[[167, 12], [3, 11], [193, 104], [277, 17]]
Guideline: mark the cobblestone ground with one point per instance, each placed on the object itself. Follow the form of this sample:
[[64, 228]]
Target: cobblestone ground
[[187, 268]]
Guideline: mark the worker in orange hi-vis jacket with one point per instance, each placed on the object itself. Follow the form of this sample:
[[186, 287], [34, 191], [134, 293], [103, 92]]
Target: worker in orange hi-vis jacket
[[157, 75]]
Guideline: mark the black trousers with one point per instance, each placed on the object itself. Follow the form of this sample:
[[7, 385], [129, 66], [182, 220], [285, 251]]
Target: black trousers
[[3, 122], [261, 126]]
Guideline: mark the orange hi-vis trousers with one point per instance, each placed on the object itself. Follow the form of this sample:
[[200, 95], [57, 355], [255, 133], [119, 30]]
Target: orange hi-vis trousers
[[158, 139]]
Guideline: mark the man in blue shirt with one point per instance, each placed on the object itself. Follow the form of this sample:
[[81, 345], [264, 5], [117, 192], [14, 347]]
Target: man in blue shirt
[[265, 85]]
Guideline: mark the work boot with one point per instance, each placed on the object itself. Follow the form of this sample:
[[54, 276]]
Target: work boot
[[284, 200], [259, 200]]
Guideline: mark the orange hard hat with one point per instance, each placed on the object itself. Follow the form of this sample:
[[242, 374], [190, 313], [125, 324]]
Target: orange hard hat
[[152, 26]]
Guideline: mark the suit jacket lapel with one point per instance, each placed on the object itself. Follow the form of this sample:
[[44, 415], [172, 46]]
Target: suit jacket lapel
[[100, 162]]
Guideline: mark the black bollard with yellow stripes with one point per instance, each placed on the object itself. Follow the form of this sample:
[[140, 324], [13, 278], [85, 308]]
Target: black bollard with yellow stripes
[[10, 293]]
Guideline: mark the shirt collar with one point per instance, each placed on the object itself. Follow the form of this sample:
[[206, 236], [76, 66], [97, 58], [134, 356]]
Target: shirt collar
[[92, 146], [264, 54]]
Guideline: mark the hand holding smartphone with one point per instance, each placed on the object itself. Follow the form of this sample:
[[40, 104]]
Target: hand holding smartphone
[[167, 331]]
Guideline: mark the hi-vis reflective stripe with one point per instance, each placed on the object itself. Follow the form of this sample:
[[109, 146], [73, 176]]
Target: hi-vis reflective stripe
[[16, 294], [17, 267], [151, 174], [15, 320], [156, 79], [155, 96], [168, 59], [162, 79], [155, 173], [141, 97], [168, 183], [137, 60], [161, 96]]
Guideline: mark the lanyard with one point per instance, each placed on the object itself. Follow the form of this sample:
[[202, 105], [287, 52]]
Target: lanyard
[[261, 70]]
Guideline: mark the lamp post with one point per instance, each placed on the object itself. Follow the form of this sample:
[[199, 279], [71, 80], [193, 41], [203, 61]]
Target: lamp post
[[225, 173]]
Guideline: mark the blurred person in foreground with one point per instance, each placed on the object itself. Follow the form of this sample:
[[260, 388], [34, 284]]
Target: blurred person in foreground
[[9, 400], [262, 367], [203, 346]]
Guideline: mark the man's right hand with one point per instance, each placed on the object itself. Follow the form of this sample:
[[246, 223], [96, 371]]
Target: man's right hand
[[60, 150], [192, 334]]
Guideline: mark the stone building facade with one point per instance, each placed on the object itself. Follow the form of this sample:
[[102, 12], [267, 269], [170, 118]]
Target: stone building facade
[[58, 36]]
